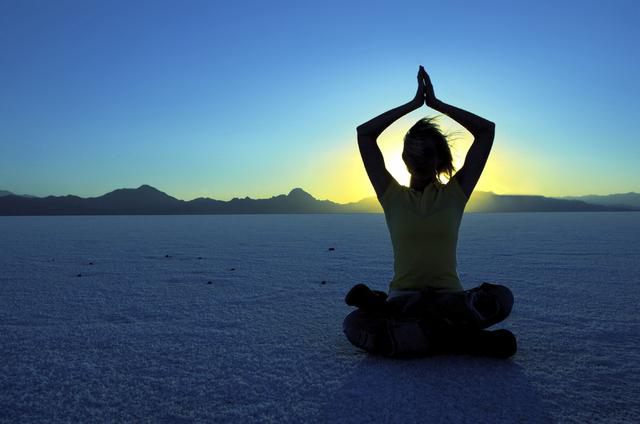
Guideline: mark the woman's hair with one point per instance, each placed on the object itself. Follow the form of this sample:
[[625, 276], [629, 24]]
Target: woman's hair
[[426, 152]]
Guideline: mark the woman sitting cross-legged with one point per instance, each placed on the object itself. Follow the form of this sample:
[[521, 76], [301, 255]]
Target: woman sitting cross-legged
[[427, 311]]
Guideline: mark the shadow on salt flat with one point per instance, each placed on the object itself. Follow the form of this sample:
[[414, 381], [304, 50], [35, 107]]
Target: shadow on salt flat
[[438, 389]]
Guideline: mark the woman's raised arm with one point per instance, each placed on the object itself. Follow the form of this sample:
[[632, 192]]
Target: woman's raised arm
[[368, 134], [483, 132]]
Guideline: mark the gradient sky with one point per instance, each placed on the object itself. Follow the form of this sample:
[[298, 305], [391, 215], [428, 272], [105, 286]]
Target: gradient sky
[[233, 99]]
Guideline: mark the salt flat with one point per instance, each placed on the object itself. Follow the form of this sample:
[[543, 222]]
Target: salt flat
[[114, 319]]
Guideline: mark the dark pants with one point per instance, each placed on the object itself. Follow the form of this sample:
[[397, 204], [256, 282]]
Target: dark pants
[[429, 322]]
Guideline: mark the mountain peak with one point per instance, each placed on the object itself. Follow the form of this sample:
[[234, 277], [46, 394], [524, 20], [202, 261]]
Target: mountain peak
[[299, 194], [143, 194]]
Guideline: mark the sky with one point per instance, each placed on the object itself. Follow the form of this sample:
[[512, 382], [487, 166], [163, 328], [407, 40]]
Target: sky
[[234, 99]]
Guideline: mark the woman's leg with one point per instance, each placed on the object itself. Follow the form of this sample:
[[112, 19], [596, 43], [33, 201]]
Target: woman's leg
[[475, 309], [431, 322], [368, 331], [384, 335], [375, 327], [489, 303], [456, 322]]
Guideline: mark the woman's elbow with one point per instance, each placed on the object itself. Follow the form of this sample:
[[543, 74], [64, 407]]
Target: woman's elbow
[[488, 130], [361, 129], [492, 127]]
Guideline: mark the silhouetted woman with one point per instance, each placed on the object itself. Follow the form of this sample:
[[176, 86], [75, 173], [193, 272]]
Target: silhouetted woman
[[427, 310]]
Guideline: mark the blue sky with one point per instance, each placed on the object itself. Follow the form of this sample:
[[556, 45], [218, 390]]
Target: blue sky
[[214, 99]]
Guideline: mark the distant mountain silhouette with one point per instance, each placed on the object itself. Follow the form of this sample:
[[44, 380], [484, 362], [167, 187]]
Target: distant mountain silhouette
[[297, 201], [142, 200], [620, 199], [147, 200], [8, 193], [490, 202]]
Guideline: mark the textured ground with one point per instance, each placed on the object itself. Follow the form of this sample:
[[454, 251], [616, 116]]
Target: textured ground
[[140, 336]]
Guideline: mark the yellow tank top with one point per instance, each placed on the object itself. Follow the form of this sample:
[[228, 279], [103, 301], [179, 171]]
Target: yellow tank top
[[424, 234]]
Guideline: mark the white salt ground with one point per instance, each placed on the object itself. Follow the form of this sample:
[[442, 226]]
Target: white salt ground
[[141, 337]]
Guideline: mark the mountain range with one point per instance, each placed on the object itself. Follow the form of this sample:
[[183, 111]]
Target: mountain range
[[147, 200]]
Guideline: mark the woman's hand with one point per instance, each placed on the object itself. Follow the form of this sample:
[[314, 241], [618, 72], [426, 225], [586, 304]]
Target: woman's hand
[[419, 99], [429, 96], [374, 127]]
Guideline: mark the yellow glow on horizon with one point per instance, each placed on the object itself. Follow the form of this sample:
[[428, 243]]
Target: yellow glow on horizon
[[339, 175], [510, 172]]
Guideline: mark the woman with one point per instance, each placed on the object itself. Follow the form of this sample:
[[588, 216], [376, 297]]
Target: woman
[[427, 310]]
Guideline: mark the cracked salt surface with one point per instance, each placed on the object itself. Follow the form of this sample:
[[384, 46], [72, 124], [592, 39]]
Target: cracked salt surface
[[159, 328]]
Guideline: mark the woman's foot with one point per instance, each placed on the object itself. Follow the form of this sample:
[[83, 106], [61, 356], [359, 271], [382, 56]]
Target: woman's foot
[[363, 297]]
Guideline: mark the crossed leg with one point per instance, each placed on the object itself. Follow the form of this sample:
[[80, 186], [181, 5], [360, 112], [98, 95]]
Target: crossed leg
[[429, 322]]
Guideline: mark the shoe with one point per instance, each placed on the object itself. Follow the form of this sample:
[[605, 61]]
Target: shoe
[[363, 297]]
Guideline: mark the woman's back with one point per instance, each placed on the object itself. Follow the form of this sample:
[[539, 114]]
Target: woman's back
[[424, 232]]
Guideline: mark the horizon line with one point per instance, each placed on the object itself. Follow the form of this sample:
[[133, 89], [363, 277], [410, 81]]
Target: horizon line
[[300, 188]]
